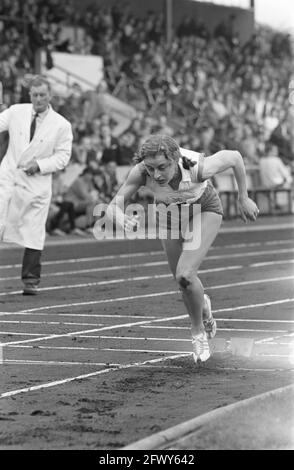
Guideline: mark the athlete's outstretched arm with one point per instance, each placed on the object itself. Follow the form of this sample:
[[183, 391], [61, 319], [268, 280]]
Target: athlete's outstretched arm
[[115, 208], [224, 160]]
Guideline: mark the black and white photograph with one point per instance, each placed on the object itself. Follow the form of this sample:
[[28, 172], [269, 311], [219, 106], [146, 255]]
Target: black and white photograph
[[146, 228]]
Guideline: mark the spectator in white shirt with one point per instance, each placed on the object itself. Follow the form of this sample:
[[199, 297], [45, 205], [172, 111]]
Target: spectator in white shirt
[[273, 172]]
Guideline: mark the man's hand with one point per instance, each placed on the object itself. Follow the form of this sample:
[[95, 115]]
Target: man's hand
[[248, 209], [31, 168]]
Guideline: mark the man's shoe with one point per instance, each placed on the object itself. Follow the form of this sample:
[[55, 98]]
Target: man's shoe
[[209, 322], [30, 289], [200, 347]]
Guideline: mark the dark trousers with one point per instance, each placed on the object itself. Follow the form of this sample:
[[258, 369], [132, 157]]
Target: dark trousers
[[31, 266], [65, 207]]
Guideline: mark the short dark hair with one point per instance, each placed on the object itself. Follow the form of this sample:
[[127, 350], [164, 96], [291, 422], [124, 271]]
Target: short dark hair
[[39, 80], [269, 145], [91, 171]]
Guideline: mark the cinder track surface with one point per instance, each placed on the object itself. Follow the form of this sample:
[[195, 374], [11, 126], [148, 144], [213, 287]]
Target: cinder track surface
[[101, 357]]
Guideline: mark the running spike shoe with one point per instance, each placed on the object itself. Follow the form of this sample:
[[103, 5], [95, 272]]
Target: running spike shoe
[[200, 347], [209, 322]]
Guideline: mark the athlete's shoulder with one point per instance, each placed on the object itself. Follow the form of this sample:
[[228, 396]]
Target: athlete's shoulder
[[139, 171], [193, 162], [141, 168], [190, 158], [190, 154]]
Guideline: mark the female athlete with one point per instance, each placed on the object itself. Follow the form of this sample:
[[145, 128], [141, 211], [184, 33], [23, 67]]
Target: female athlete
[[181, 177]]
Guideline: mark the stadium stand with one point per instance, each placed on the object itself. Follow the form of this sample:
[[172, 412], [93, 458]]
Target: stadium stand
[[205, 88]]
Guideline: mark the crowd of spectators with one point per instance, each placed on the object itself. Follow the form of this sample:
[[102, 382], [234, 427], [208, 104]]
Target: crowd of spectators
[[204, 88]]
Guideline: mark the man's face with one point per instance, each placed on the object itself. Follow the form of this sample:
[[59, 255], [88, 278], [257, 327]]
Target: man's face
[[87, 143], [111, 168], [105, 131], [99, 181], [40, 97]]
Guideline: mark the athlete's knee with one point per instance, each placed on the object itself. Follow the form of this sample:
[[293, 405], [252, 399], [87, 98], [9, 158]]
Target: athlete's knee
[[184, 279], [184, 282]]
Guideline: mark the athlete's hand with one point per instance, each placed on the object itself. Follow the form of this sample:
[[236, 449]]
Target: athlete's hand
[[248, 209], [131, 222]]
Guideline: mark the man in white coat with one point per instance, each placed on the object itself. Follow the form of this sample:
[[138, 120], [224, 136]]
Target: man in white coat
[[40, 142]]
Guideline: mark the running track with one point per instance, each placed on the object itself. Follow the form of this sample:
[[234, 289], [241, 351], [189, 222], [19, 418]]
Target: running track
[[108, 306]]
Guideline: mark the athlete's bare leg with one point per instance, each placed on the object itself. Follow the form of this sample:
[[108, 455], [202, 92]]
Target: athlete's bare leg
[[185, 264]]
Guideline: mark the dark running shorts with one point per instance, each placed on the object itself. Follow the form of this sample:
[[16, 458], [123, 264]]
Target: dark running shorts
[[210, 200]]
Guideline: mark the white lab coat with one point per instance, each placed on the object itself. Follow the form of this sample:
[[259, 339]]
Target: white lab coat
[[25, 200]]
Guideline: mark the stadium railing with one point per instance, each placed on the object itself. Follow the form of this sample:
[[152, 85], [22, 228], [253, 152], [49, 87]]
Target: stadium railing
[[271, 201]]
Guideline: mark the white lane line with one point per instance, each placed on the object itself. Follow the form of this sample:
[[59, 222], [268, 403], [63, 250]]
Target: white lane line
[[125, 325], [92, 348], [154, 351], [98, 283], [90, 259], [290, 344], [271, 263], [233, 369], [256, 281], [289, 356], [105, 328], [58, 363], [226, 320], [151, 351], [33, 322], [252, 244], [121, 267], [121, 350], [93, 302], [159, 294], [155, 264], [118, 281], [90, 240], [264, 304], [245, 369], [277, 242], [148, 254], [84, 348], [148, 365], [63, 348], [93, 270], [253, 330], [15, 361], [85, 315], [272, 338], [135, 338], [252, 320], [21, 334], [86, 376], [257, 228], [159, 327]]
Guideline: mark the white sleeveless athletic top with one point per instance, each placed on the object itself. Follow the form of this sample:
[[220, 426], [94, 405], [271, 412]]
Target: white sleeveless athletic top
[[191, 182]]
